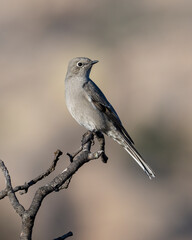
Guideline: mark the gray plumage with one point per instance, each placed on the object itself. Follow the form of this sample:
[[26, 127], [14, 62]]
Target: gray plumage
[[90, 108]]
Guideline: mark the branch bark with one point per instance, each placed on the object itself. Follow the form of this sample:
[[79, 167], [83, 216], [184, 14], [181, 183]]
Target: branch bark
[[77, 160]]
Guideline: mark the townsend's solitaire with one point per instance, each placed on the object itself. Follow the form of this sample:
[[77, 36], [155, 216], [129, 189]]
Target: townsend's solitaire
[[90, 108]]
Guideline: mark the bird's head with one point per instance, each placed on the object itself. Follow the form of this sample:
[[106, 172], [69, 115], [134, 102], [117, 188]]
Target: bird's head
[[80, 66]]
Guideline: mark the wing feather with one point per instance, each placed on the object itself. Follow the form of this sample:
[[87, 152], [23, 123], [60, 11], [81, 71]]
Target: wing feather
[[102, 104]]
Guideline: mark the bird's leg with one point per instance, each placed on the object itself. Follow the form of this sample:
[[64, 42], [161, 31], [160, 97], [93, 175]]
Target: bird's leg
[[100, 137]]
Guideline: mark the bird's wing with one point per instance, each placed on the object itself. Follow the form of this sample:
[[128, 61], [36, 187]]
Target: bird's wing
[[102, 104]]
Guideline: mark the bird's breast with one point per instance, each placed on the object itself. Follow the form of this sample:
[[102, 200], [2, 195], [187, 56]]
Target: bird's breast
[[84, 111]]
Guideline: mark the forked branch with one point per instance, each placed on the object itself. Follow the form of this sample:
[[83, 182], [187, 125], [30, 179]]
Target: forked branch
[[61, 181]]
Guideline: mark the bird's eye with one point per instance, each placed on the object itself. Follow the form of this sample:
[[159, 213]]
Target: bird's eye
[[79, 64]]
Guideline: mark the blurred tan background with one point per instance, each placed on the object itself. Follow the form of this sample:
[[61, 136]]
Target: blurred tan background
[[145, 70]]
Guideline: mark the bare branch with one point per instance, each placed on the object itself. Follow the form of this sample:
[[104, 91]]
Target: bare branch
[[10, 193], [58, 153], [69, 234], [26, 186], [78, 159], [95, 155]]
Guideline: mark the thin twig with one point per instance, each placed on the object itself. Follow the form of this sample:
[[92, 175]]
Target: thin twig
[[69, 234], [9, 189], [27, 185]]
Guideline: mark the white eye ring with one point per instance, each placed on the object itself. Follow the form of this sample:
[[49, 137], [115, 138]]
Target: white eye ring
[[79, 64]]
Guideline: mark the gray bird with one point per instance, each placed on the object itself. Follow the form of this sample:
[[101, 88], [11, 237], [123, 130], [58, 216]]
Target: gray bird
[[91, 109]]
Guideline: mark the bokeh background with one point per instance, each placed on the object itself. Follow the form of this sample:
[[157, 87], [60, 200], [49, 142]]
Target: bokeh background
[[145, 70]]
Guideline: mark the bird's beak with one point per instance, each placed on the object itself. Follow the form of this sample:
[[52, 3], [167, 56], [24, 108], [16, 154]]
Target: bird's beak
[[94, 61]]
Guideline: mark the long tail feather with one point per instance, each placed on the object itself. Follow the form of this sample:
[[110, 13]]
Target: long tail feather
[[128, 146], [137, 157]]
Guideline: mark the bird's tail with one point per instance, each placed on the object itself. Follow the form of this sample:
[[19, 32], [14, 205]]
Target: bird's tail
[[137, 157], [128, 146]]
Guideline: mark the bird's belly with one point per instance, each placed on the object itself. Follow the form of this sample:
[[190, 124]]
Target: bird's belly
[[87, 115]]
